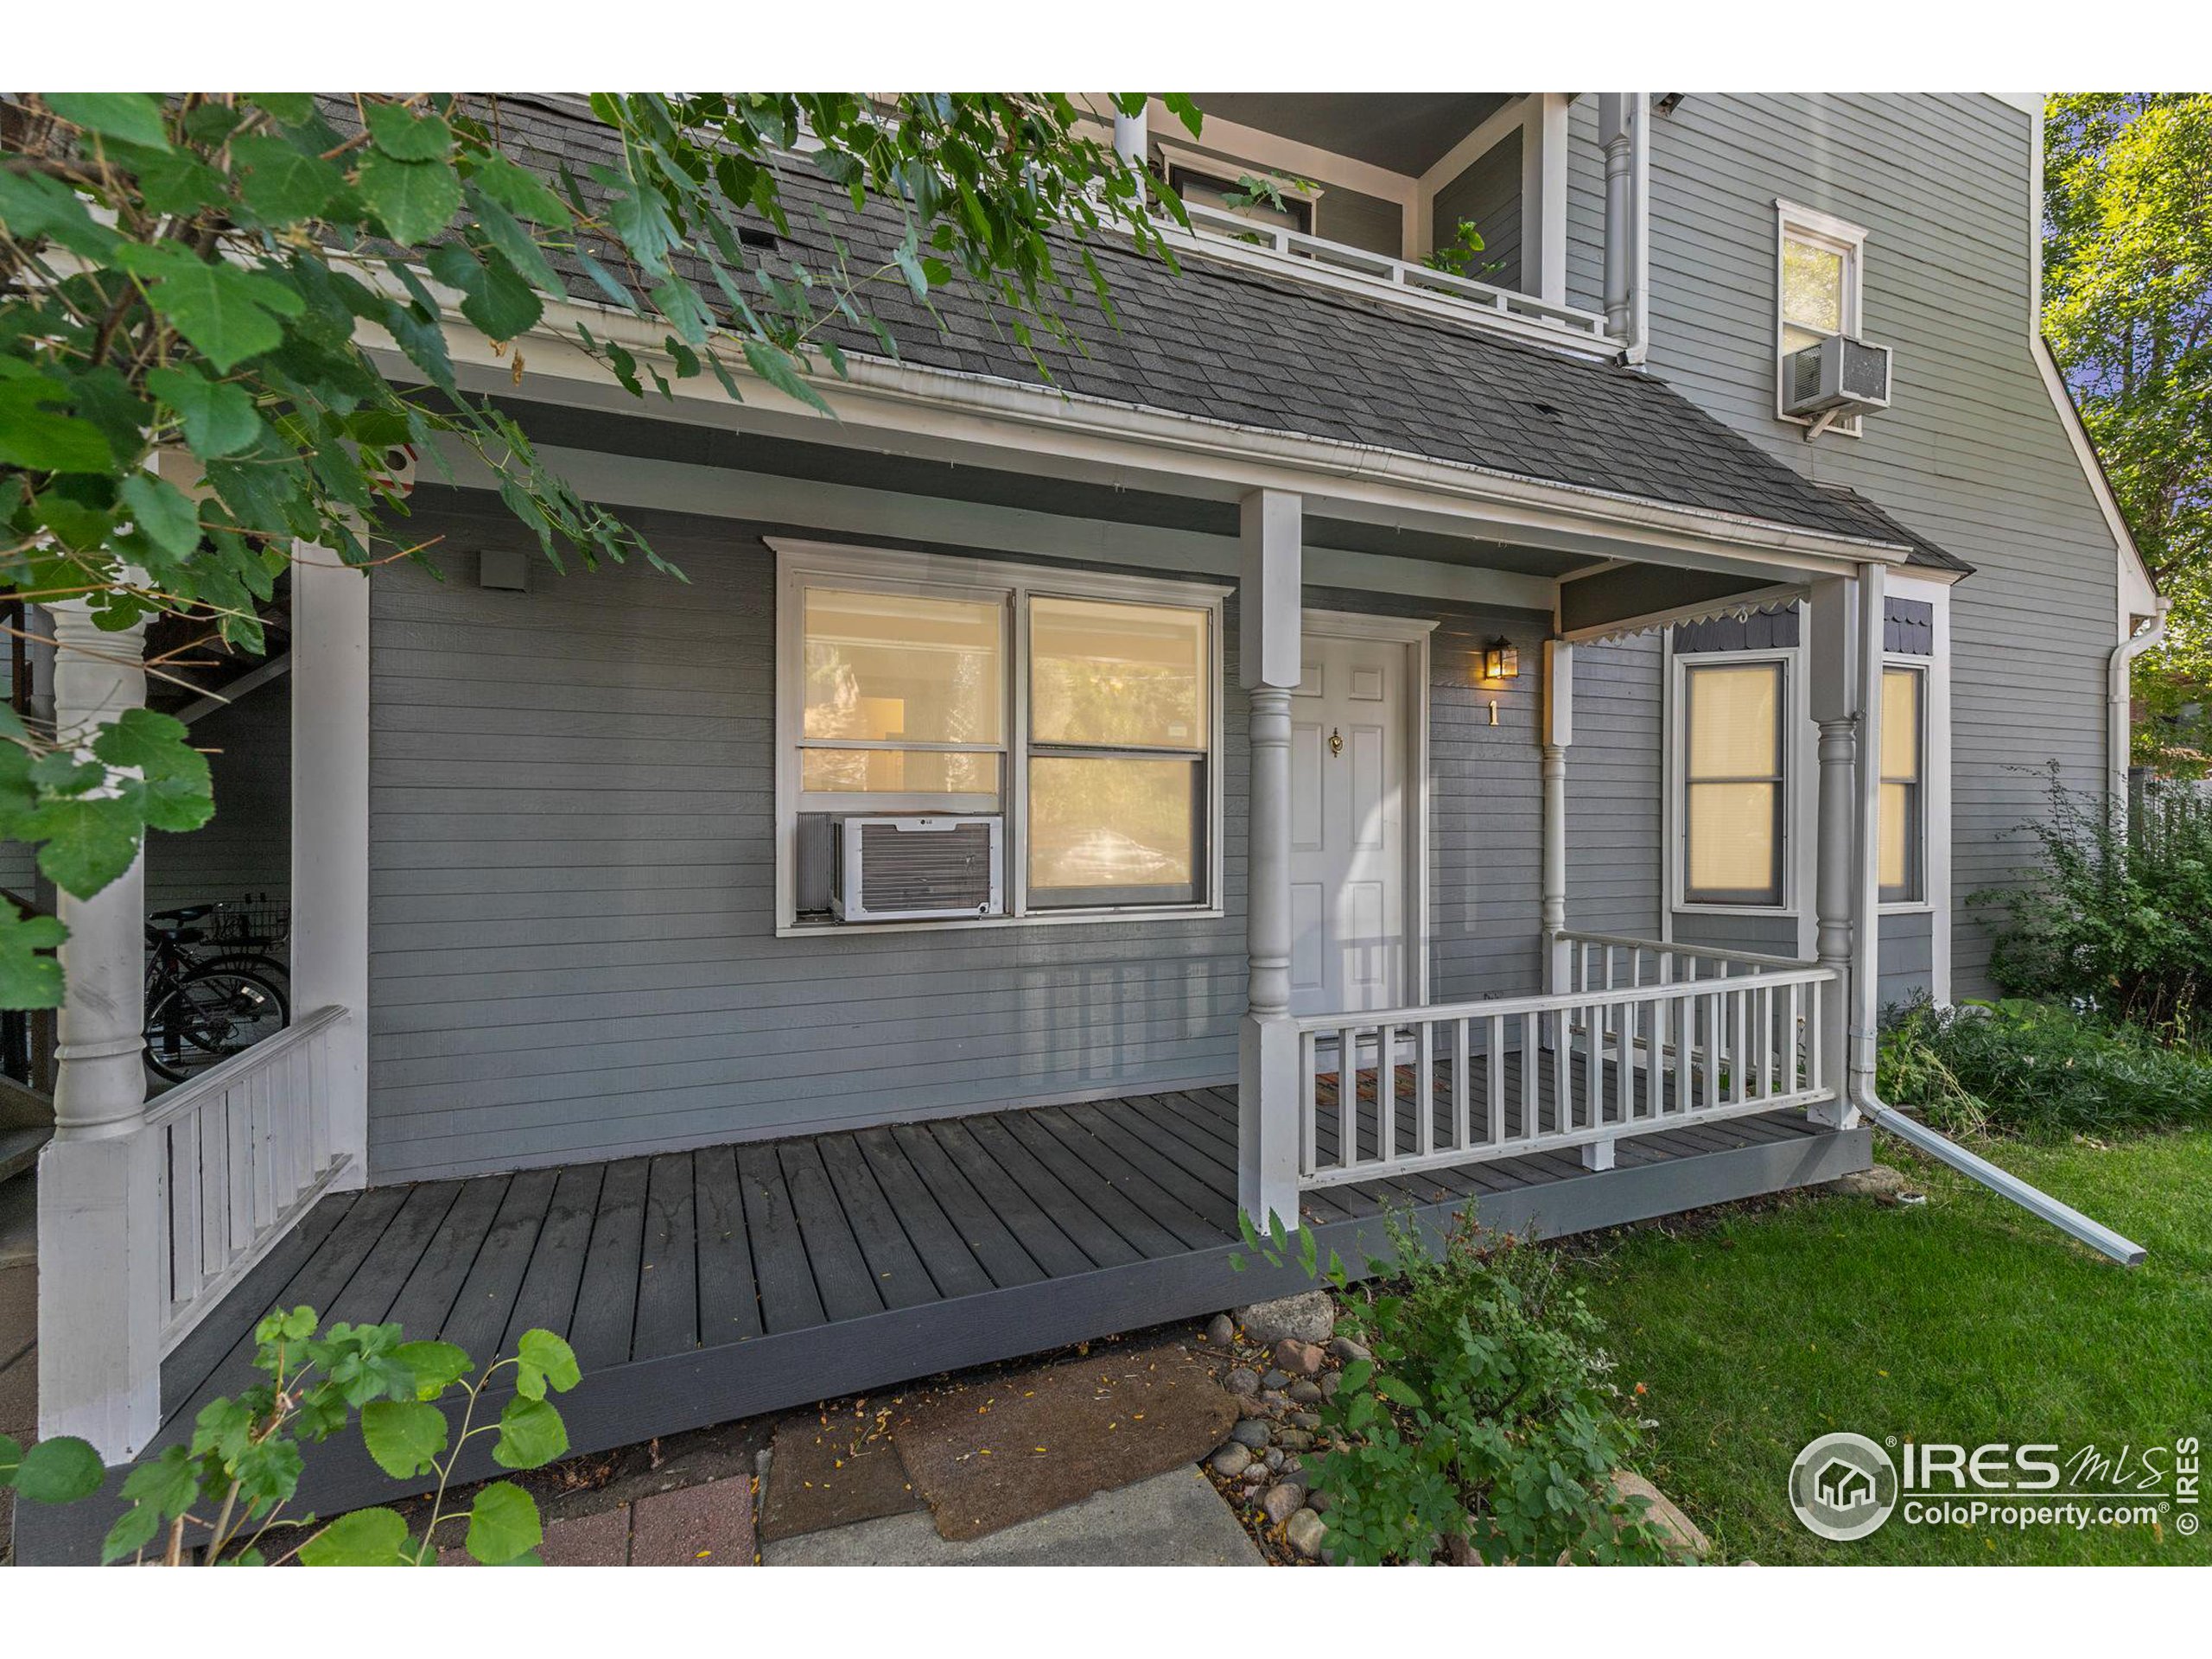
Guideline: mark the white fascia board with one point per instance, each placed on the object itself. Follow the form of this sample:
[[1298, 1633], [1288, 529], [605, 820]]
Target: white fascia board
[[1011, 415]]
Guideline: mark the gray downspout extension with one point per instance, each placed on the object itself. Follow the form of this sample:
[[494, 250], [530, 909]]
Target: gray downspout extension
[[2037, 1203]]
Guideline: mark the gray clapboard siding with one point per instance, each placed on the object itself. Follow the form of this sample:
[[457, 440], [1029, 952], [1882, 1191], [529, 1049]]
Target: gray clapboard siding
[[1972, 453], [1614, 770], [572, 797]]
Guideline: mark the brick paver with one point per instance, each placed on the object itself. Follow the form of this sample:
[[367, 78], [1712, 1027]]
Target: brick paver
[[601, 1539], [706, 1525]]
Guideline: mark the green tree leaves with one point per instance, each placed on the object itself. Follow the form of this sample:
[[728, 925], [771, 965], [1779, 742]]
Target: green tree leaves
[[544, 1359], [413, 201], [200, 273], [405, 1437], [503, 1525], [59, 1470], [219, 418], [133, 117], [531, 1434], [2127, 308], [226, 312], [364, 1538]]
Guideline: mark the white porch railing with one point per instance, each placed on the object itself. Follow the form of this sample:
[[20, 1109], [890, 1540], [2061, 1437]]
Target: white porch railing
[[1407, 1090], [1217, 229], [245, 1149]]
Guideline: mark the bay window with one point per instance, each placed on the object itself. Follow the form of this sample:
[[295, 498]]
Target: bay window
[[1081, 709], [1734, 781]]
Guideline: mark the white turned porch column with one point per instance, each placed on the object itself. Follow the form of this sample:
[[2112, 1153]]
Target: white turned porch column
[[1845, 649], [330, 828], [100, 1303], [1557, 733], [1269, 667]]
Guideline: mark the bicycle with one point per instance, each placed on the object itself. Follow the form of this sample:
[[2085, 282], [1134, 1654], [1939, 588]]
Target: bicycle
[[200, 1010]]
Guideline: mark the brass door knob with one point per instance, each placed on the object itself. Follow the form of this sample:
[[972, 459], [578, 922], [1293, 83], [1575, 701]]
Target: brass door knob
[[1335, 741]]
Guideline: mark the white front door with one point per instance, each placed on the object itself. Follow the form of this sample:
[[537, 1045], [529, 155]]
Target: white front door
[[1349, 802]]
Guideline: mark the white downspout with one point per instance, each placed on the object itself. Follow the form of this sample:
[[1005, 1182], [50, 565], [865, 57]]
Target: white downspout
[[2120, 702]]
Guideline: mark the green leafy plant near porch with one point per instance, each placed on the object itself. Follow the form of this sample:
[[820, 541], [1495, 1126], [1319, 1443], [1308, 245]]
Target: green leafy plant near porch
[[220, 1498], [1485, 1414], [1483, 1419], [2039, 1069]]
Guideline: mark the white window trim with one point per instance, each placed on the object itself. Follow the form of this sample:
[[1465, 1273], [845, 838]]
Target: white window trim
[[1797, 712], [1841, 236], [799, 561], [1804, 795], [1925, 666]]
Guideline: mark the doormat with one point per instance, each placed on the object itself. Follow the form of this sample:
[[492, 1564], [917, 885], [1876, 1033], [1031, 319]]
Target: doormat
[[832, 1468]]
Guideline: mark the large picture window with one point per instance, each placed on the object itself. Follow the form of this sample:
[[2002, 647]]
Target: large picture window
[[1903, 828], [1081, 709], [1734, 782]]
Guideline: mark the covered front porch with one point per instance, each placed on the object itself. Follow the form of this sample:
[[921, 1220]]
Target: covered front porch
[[704, 1285]]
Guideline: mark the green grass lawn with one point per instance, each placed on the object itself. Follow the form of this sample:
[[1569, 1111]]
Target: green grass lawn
[[1965, 1320]]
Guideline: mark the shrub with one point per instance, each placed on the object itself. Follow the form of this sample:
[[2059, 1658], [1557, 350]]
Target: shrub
[[2039, 1069], [1485, 1415], [2119, 918]]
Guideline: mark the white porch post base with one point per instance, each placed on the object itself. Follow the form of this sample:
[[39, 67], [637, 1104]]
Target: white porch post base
[[1598, 1154], [99, 1304], [1267, 1140]]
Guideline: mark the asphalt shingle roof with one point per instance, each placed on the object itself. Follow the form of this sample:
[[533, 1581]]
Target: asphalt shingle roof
[[1246, 348]]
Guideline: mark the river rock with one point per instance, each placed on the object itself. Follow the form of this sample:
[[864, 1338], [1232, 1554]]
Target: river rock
[[1309, 1316]]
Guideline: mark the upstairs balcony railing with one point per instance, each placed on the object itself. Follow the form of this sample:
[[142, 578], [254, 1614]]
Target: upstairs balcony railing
[[1217, 232]]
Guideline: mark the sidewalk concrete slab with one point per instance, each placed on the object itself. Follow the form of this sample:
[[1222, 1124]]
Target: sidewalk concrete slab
[[1176, 1519]]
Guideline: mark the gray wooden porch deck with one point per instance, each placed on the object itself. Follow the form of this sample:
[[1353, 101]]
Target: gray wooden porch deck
[[698, 1286]]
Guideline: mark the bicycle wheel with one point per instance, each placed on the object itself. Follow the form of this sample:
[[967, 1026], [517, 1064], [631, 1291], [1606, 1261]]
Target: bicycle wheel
[[209, 1015]]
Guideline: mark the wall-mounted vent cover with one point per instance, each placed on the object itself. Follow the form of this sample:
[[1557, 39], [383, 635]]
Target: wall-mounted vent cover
[[919, 869]]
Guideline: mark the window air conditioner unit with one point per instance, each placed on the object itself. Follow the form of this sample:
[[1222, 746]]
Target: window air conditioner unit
[[919, 869], [1837, 377]]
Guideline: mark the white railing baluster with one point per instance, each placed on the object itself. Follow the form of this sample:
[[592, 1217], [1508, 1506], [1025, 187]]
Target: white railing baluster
[[1348, 1096], [1309, 1100], [1494, 1075], [1424, 1090], [1386, 1092], [245, 1151], [1462, 1086]]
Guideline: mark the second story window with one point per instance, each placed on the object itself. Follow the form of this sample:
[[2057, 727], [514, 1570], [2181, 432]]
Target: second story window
[[1817, 287]]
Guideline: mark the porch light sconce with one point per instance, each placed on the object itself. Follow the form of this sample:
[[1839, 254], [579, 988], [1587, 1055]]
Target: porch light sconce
[[1501, 661]]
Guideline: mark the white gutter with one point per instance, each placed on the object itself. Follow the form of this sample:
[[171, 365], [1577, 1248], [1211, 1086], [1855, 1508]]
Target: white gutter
[[2119, 701]]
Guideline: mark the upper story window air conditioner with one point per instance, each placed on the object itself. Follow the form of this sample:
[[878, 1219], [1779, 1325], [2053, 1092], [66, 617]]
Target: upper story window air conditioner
[[914, 869], [1836, 377]]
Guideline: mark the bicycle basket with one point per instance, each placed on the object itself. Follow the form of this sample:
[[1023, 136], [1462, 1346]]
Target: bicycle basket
[[254, 923]]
